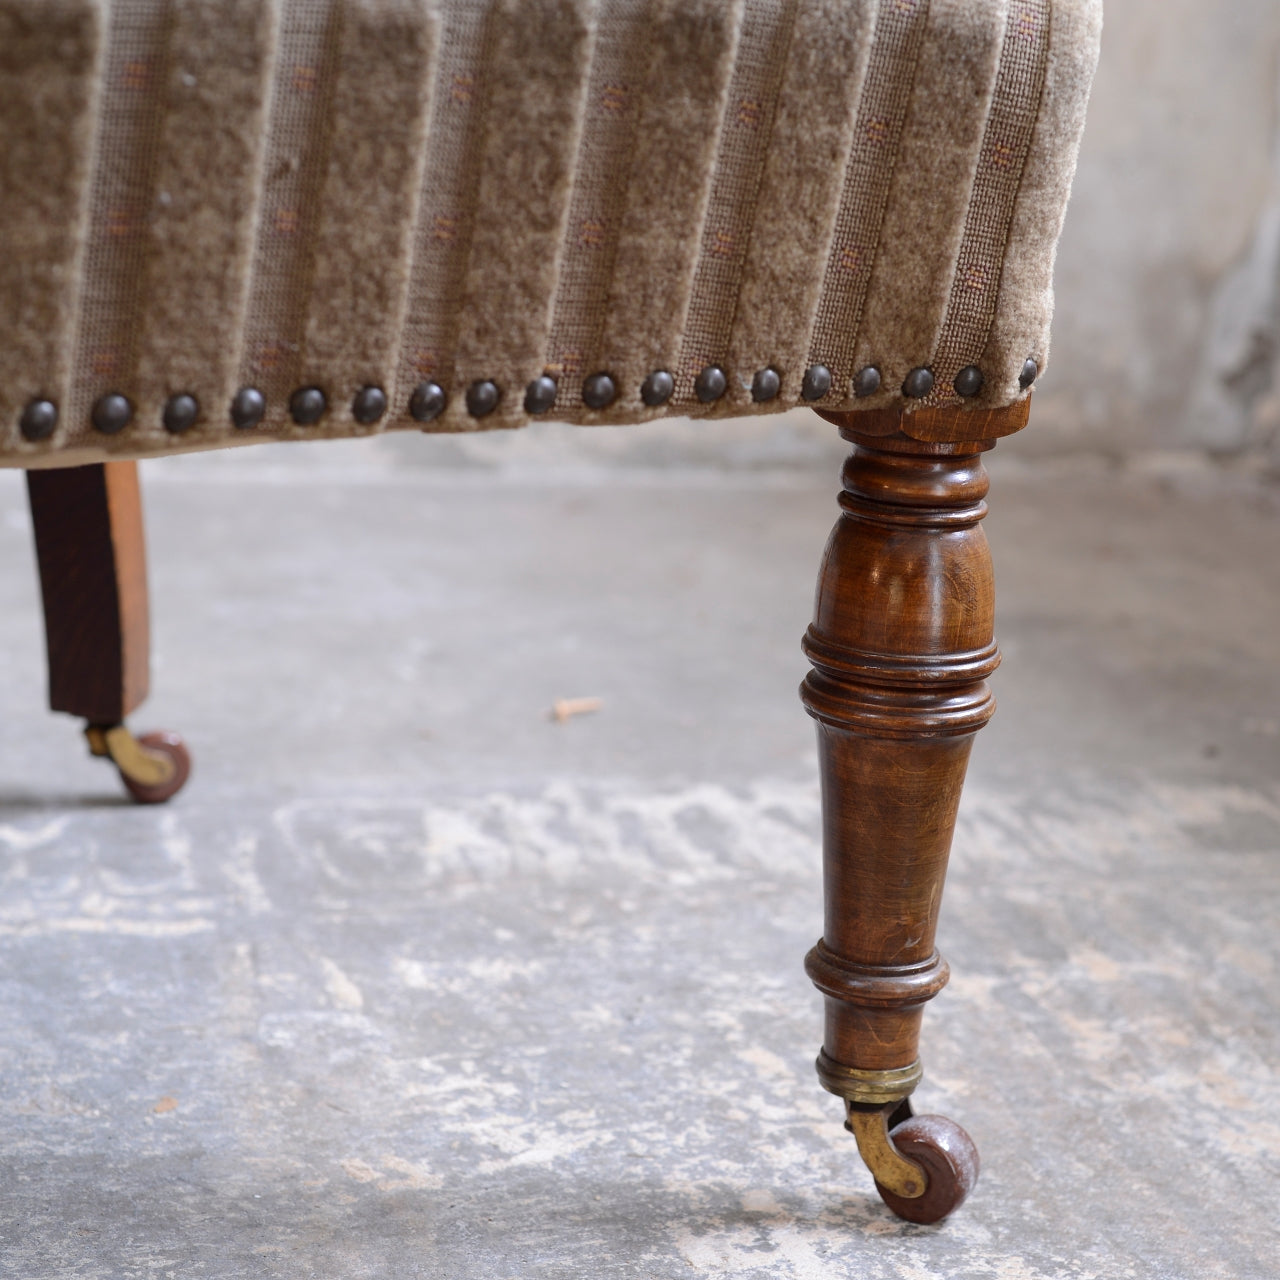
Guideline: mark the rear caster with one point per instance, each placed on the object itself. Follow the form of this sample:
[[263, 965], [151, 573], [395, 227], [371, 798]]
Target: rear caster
[[153, 768], [924, 1166]]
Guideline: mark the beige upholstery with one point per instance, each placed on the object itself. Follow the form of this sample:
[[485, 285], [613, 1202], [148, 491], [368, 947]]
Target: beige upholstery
[[198, 196]]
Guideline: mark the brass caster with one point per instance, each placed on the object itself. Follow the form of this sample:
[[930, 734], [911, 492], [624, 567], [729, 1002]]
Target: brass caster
[[153, 767], [924, 1166]]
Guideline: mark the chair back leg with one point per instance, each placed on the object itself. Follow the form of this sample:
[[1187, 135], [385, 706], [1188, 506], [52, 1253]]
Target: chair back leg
[[93, 578]]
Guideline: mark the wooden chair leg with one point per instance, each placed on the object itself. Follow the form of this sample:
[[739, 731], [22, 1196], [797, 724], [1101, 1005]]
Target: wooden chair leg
[[901, 646], [91, 551]]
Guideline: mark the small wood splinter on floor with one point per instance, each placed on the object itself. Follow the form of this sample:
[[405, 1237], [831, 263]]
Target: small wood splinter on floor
[[165, 1104], [563, 709]]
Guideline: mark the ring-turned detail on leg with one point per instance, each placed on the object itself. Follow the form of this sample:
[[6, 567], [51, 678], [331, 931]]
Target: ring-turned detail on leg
[[901, 646]]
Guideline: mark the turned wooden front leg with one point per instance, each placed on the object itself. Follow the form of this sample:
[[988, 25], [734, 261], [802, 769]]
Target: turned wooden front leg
[[901, 646]]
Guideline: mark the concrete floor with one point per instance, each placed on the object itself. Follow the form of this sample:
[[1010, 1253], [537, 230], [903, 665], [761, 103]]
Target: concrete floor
[[414, 981]]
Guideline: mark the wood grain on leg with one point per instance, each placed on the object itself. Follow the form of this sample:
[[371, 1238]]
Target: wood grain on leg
[[901, 646]]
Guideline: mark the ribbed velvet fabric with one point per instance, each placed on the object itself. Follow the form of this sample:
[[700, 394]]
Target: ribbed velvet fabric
[[346, 194]]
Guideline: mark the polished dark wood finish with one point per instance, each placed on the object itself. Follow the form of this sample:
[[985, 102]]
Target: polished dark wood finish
[[901, 645], [93, 577]]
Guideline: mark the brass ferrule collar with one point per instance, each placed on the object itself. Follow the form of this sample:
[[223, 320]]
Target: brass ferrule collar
[[865, 1087]]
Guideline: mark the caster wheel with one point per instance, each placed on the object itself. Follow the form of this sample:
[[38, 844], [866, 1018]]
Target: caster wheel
[[153, 768], [174, 752], [947, 1155]]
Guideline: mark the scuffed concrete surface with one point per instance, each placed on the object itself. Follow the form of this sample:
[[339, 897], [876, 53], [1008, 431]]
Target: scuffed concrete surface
[[566, 1034], [412, 981]]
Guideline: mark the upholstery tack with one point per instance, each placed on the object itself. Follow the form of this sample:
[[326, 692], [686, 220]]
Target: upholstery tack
[[866, 382], [111, 413], [817, 382], [766, 385], [711, 384], [658, 388], [599, 391], [918, 384], [427, 402], [39, 420], [247, 408], [482, 397], [307, 406], [369, 405], [540, 395], [968, 382], [180, 413]]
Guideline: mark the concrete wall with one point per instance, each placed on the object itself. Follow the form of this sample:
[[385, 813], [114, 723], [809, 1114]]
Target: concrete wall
[[1168, 281]]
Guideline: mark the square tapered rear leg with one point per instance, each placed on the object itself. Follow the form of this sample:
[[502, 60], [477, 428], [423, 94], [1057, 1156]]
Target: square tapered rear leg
[[901, 646], [91, 551]]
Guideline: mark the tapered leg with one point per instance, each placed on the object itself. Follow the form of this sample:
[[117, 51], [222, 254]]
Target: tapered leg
[[93, 577], [91, 552], [901, 646]]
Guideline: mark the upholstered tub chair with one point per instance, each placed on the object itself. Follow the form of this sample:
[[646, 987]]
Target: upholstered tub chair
[[232, 221]]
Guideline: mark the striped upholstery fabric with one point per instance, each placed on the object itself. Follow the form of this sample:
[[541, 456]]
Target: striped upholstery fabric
[[200, 197]]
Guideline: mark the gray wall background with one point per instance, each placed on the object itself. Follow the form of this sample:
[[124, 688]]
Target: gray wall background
[[1168, 284]]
